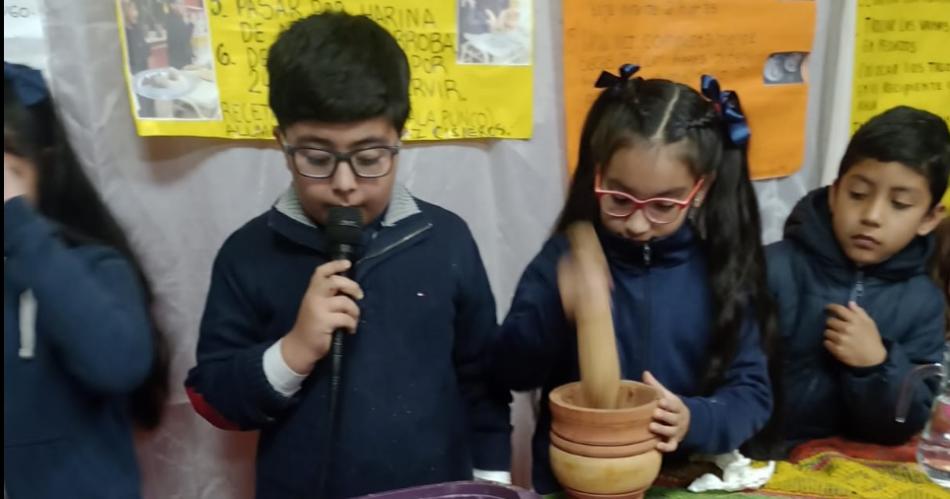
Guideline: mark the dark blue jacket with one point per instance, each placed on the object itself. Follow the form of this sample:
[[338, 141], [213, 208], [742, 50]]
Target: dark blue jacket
[[66, 427], [662, 311], [415, 407], [807, 271]]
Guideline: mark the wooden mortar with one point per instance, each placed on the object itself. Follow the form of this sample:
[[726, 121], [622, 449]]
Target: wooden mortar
[[601, 446]]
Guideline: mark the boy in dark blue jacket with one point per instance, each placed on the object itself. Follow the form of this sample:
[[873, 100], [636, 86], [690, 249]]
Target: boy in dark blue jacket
[[856, 307], [414, 406]]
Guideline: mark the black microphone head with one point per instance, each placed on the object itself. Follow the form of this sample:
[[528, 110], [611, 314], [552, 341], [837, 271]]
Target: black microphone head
[[344, 226]]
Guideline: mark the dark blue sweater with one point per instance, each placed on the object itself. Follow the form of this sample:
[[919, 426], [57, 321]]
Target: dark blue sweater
[[807, 271], [662, 315], [415, 407], [66, 428]]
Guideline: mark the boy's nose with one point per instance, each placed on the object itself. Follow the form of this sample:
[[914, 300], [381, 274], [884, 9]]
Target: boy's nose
[[343, 181], [873, 212]]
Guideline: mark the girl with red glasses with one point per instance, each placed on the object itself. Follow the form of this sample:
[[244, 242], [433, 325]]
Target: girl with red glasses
[[662, 176]]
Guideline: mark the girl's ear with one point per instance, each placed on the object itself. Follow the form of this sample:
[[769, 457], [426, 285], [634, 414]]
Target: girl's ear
[[598, 173], [701, 195]]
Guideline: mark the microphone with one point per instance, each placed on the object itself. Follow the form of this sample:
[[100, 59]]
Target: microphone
[[344, 230]]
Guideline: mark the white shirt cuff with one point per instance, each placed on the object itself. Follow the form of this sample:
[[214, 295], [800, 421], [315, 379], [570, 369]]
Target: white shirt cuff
[[503, 477], [285, 380]]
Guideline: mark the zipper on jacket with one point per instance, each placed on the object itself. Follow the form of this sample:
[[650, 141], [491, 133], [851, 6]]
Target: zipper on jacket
[[647, 336], [396, 244], [857, 290]]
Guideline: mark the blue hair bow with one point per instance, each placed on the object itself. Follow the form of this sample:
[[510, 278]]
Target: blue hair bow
[[609, 80], [27, 82], [727, 103]]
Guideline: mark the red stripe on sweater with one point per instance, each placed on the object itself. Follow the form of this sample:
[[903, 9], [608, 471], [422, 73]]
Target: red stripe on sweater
[[208, 412]]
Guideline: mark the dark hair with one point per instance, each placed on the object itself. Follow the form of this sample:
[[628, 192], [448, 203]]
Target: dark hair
[[337, 68], [663, 112], [912, 137], [66, 197]]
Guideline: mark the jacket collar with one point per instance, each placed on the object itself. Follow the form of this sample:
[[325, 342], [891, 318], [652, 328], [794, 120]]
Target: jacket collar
[[402, 223]]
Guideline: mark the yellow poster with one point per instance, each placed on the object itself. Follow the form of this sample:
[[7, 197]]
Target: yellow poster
[[198, 67], [901, 57], [759, 48]]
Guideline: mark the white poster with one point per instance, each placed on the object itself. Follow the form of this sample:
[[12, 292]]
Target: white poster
[[23, 38]]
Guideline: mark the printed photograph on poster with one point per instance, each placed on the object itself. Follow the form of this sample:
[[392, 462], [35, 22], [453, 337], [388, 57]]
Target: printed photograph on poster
[[494, 32], [169, 60], [176, 92], [786, 67]]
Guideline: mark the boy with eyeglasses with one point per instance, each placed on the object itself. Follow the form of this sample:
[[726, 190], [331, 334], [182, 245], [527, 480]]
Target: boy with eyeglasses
[[415, 406]]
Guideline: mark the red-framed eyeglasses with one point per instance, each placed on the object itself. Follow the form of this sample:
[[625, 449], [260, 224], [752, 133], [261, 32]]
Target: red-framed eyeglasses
[[657, 210]]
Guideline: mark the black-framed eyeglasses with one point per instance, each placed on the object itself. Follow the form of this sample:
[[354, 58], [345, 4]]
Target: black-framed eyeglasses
[[366, 162]]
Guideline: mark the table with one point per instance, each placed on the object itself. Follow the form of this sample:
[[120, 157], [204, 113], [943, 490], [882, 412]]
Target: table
[[826, 468]]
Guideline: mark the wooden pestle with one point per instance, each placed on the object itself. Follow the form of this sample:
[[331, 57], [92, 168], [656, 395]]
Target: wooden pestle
[[596, 343]]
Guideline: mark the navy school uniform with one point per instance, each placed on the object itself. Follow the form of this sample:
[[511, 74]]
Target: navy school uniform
[[415, 404], [76, 341], [662, 313], [807, 271]]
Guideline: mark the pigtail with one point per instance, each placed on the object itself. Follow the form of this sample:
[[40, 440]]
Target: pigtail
[[729, 222]]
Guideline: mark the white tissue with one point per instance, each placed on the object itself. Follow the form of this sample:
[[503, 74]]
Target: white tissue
[[737, 474]]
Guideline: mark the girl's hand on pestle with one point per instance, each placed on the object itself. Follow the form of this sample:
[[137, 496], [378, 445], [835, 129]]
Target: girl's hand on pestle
[[583, 276], [671, 417]]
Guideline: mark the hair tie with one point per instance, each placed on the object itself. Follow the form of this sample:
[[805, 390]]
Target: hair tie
[[27, 82], [727, 105], [609, 80]]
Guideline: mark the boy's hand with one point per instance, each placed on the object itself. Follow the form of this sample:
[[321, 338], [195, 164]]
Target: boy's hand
[[328, 305], [852, 336], [670, 419]]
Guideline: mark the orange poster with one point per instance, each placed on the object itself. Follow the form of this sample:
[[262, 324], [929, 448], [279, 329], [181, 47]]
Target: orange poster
[[759, 48]]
